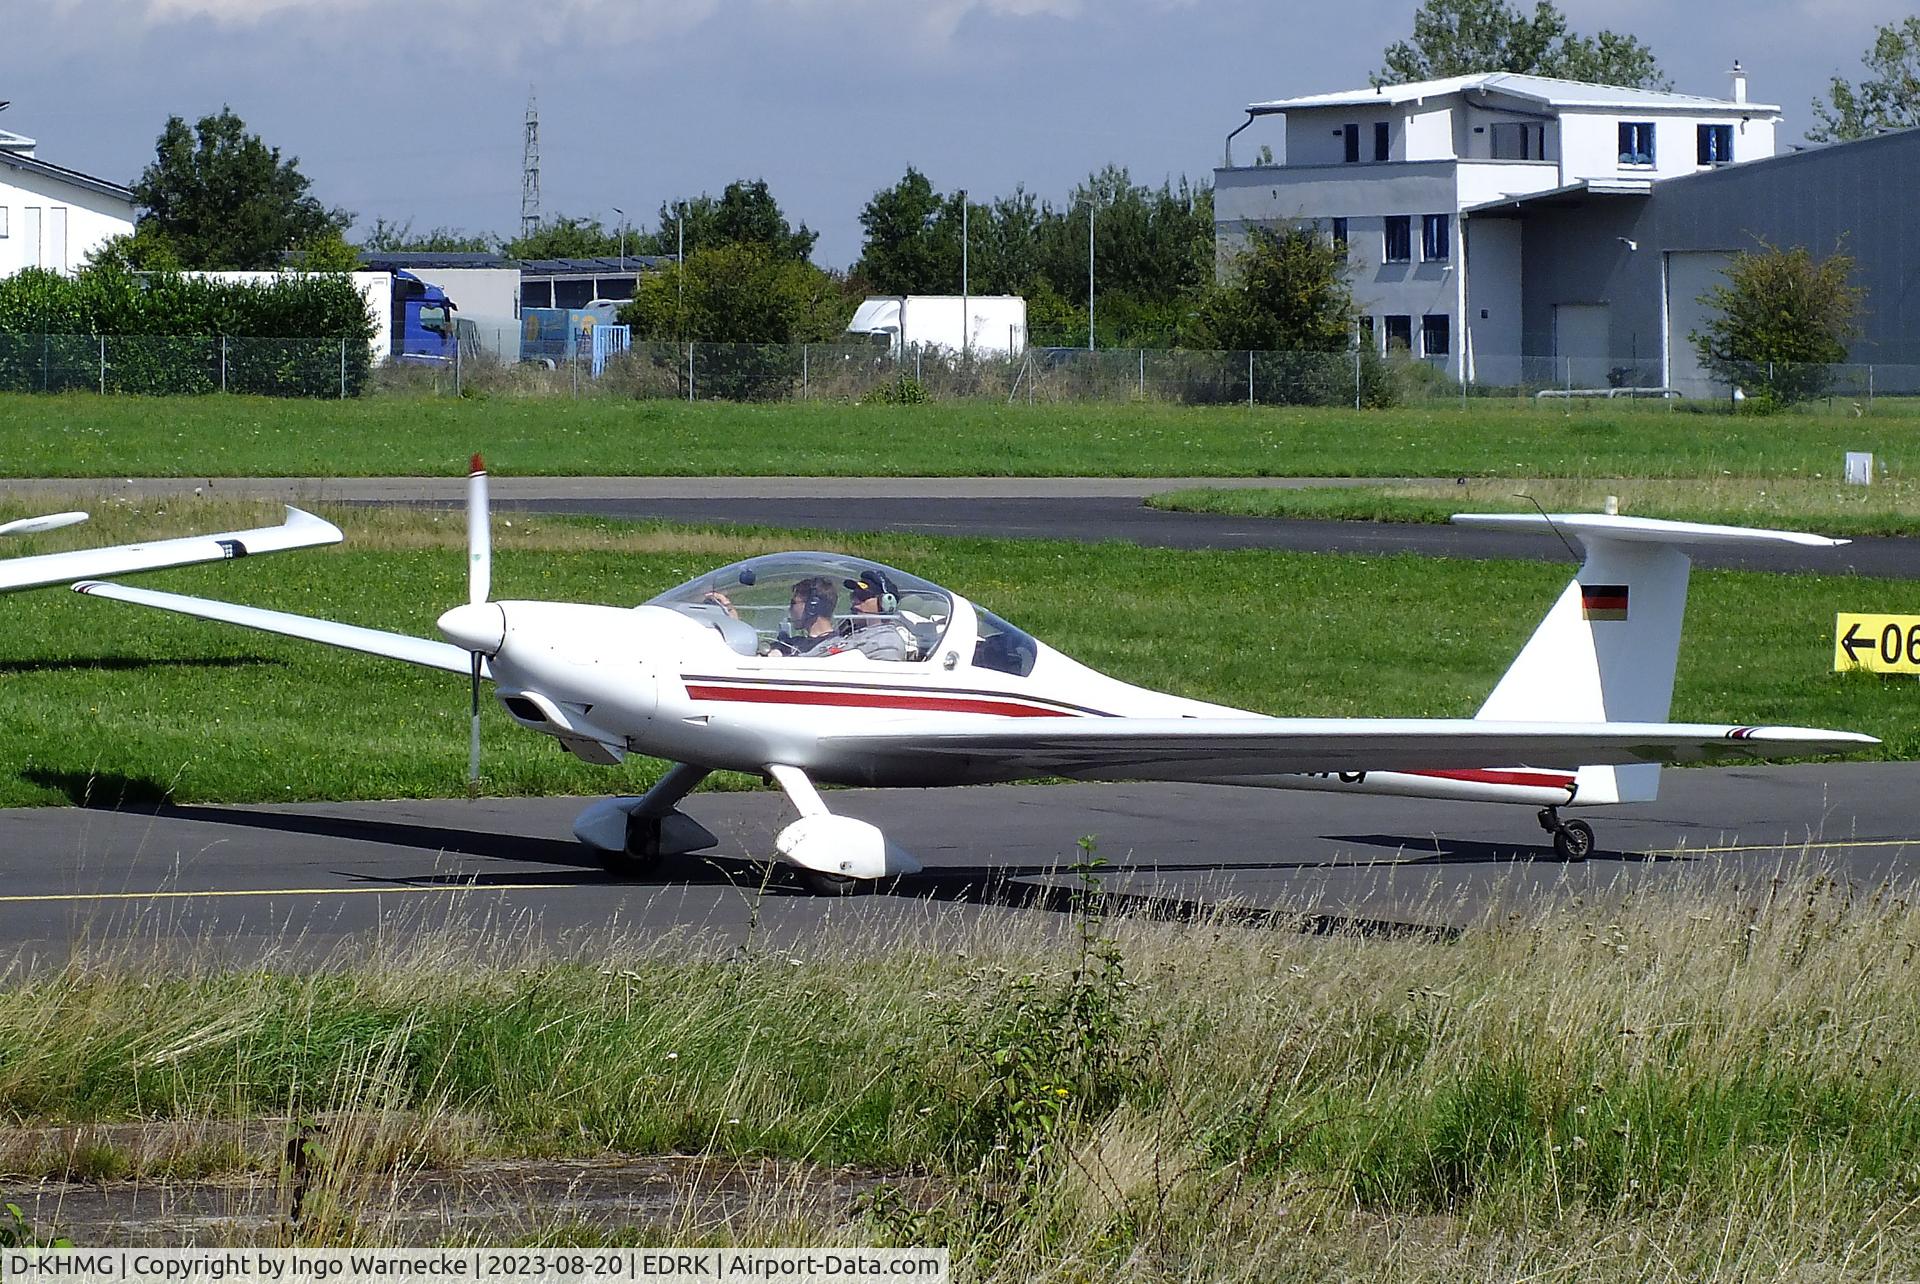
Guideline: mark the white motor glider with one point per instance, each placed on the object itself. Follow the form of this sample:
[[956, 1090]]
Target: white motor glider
[[299, 530], [761, 667]]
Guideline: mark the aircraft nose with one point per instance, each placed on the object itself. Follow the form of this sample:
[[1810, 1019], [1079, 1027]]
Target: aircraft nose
[[477, 626]]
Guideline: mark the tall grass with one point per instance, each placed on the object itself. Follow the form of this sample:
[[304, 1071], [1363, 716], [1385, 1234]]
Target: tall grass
[[1716, 1081]]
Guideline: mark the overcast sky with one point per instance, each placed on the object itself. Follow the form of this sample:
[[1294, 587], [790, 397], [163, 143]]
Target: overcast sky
[[408, 110]]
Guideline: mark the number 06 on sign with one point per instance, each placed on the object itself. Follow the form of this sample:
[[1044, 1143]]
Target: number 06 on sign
[[1877, 643]]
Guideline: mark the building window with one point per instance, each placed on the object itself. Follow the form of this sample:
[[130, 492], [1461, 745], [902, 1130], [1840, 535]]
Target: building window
[[1436, 329], [1399, 333], [1380, 140], [1340, 233], [1399, 239], [3, 222], [1636, 142], [1434, 247], [1351, 133], [1715, 144]]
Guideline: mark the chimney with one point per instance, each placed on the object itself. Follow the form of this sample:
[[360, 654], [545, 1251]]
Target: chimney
[[1739, 82]]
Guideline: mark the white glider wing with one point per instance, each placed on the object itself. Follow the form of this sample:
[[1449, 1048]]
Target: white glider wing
[[1230, 748], [351, 637], [299, 530]]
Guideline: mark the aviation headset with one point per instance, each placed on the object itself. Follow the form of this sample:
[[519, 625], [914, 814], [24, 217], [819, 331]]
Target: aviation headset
[[874, 584], [818, 597]]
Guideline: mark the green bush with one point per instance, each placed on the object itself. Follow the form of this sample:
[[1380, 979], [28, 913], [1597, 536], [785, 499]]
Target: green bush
[[165, 333]]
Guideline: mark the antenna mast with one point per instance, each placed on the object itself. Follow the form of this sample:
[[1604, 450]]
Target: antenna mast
[[530, 171]]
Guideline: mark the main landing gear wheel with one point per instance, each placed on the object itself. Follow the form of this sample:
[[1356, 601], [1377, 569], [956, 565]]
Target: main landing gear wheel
[[642, 854], [821, 883], [1572, 839]]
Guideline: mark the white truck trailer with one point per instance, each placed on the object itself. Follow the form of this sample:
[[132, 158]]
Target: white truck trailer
[[980, 324]]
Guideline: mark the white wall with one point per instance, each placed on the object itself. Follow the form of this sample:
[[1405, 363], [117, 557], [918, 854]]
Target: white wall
[[90, 217], [1430, 134], [1590, 143]]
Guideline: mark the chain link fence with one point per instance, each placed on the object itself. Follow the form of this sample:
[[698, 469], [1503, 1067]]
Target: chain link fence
[[158, 365], [163, 365]]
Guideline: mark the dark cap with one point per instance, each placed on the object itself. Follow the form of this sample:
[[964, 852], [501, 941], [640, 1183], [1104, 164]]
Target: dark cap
[[872, 584]]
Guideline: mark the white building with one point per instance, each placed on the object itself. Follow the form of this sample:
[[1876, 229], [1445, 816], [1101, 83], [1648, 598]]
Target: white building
[[1396, 173], [51, 216]]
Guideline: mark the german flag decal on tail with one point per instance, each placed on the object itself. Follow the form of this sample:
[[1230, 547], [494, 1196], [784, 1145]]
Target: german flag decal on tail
[[1603, 601]]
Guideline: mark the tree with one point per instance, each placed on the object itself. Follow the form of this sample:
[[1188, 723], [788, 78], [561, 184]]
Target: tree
[[565, 238], [400, 238], [1888, 98], [903, 251], [745, 214], [221, 198], [1783, 319], [740, 292], [1287, 291], [1465, 37]]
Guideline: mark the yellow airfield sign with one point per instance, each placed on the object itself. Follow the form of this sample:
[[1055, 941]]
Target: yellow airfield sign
[[1878, 643]]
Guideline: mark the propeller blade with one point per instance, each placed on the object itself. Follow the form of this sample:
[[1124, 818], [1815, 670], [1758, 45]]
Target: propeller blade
[[473, 742], [479, 535]]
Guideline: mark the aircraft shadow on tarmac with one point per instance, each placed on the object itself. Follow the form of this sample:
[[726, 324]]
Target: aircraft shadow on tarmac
[[1426, 849], [1005, 886]]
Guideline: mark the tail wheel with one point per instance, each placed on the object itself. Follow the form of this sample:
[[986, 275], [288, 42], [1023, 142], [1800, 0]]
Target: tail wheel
[[1573, 840]]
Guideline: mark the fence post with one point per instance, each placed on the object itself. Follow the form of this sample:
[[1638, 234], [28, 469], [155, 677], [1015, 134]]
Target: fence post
[[1249, 378], [1869, 384], [456, 366], [1143, 374], [223, 363], [103, 365], [803, 370], [1356, 376], [46, 362], [689, 372], [343, 369]]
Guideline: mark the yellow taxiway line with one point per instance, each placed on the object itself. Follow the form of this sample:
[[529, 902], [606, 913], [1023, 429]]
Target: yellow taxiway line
[[395, 889], [1809, 844]]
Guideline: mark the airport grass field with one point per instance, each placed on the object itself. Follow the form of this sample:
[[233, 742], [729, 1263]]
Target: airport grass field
[[1718, 1083], [105, 700], [83, 435]]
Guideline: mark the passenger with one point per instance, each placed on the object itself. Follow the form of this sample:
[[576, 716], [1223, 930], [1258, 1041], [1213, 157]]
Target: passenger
[[874, 629], [808, 628]]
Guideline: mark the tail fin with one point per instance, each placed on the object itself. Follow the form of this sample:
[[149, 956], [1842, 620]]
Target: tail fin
[[1607, 649]]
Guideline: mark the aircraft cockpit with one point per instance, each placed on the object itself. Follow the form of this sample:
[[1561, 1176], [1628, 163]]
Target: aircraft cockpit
[[800, 604]]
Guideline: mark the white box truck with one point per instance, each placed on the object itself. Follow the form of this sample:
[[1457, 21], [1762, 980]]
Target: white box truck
[[987, 325]]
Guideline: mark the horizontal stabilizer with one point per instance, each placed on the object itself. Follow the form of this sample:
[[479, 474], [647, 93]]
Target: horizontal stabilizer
[[1215, 748], [352, 637], [1640, 530], [299, 530]]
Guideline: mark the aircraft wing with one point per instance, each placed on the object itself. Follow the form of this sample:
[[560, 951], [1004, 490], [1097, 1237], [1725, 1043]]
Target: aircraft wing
[[1225, 748], [299, 530], [352, 637]]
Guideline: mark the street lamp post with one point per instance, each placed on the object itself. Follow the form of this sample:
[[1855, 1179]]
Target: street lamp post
[[623, 239], [1090, 205], [966, 322]]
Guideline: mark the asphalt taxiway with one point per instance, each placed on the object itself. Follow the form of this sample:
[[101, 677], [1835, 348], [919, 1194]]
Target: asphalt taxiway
[[260, 879]]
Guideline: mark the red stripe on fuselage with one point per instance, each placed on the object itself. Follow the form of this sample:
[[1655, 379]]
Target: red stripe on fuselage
[[1531, 779], [872, 700]]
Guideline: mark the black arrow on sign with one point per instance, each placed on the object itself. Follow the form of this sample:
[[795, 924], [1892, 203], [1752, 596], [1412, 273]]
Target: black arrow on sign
[[1853, 642]]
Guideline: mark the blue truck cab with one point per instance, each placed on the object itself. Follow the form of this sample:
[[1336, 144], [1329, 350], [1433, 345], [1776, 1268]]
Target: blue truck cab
[[423, 322]]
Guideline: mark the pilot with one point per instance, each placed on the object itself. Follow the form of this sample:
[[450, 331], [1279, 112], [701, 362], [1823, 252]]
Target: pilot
[[808, 628]]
